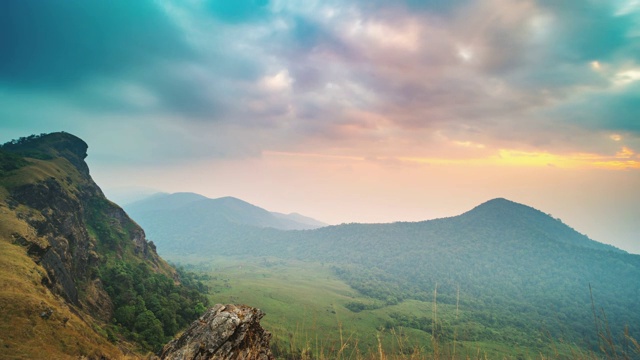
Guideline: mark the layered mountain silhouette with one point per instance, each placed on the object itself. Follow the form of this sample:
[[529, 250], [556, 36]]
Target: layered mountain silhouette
[[508, 265], [226, 209], [184, 219]]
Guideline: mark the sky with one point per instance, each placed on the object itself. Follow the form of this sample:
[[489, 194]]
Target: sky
[[345, 111]]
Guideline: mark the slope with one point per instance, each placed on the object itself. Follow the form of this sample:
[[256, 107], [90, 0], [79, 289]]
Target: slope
[[69, 258]]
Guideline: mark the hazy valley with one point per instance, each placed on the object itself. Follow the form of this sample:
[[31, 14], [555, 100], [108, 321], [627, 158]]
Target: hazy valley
[[507, 278]]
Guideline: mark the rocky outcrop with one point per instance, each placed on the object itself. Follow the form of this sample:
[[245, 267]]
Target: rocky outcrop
[[225, 332]]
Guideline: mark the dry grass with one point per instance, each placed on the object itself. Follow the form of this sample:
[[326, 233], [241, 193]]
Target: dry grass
[[34, 323], [348, 350]]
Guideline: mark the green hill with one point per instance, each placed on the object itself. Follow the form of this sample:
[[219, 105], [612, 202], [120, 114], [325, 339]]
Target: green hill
[[520, 273]]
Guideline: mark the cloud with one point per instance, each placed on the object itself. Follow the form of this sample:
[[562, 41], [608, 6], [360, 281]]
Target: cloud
[[587, 30], [238, 10], [50, 44], [372, 78]]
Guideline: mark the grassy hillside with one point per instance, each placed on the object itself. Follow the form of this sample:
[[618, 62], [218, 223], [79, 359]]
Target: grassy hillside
[[34, 322], [310, 310], [79, 275]]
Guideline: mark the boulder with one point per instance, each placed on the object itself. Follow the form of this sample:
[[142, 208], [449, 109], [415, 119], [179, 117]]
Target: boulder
[[224, 332]]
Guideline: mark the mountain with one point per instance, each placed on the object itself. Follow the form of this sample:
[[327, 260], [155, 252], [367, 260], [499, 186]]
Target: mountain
[[128, 194], [227, 209], [502, 212], [301, 219], [78, 277], [190, 216], [515, 271]]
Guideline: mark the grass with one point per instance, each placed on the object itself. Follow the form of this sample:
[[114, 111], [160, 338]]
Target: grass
[[305, 307], [34, 323]]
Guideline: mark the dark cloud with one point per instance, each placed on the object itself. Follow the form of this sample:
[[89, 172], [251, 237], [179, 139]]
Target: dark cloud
[[187, 96], [332, 70], [614, 110], [307, 34], [589, 30], [59, 43], [238, 10], [440, 7]]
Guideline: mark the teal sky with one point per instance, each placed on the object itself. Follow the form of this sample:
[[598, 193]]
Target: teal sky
[[368, 111]]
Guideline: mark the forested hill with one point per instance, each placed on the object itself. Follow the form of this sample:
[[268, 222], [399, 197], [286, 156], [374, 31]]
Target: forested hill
[[78, 276], [516, 268], [504, 213]]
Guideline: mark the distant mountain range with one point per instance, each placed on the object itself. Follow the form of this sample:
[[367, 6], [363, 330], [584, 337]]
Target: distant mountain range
[[515, 267], [194, 210]]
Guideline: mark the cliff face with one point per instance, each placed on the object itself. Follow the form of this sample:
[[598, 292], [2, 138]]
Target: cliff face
[[78, 276], [69, 233], [73, 224]]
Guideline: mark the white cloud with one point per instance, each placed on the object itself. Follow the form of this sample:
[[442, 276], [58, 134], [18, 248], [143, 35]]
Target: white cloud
[[280, 81]]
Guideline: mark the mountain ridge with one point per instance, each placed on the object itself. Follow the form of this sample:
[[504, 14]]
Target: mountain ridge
[[227, 208]]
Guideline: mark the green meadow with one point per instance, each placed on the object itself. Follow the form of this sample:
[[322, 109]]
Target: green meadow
[[308, 312]]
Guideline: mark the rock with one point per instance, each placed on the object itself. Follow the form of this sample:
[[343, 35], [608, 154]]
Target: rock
[[225, 332]]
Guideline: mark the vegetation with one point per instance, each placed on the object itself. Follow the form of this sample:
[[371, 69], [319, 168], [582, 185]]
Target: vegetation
[[517, 275], [34, 323], [149, 307], [10, 162], [32, 146], [501, 281], [307, 312]]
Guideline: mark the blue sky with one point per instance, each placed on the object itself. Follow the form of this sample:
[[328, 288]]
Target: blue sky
[[343, 110]]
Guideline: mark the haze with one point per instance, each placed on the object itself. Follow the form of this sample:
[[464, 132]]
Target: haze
[[345, 111]]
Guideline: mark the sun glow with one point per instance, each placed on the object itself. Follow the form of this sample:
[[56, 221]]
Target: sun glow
[[624, 159]]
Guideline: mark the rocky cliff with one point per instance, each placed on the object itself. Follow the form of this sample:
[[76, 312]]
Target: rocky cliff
[[224, 332], [70, 220], [78, 278], [71, 254]]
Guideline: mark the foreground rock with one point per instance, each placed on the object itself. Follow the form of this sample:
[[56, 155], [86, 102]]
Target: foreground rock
[[223, 332]]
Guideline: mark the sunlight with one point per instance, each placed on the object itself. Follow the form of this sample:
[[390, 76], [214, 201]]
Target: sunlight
[[621, 160], [615, 137], [518, 158]]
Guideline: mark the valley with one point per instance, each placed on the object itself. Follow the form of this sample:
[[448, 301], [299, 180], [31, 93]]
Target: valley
[[522, 281], [310, 310]]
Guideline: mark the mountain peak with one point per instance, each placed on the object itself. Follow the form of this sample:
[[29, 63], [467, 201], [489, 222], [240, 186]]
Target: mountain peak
[[501, 207], [160, 201], [48, 146], [499, 202], [231, 199], [501, 212]]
